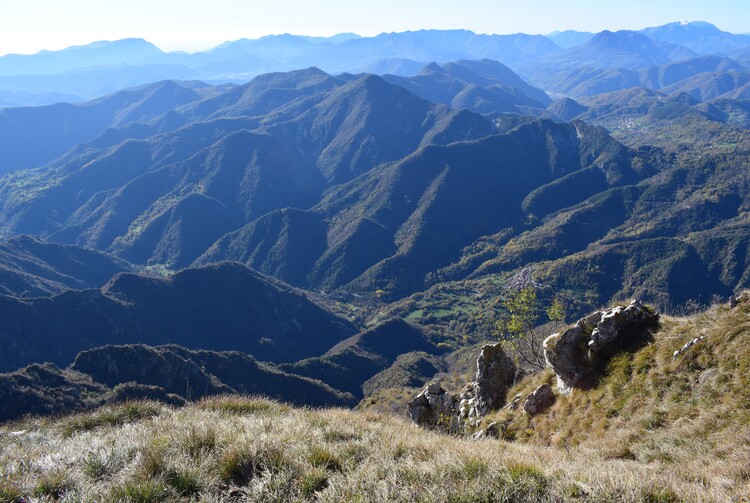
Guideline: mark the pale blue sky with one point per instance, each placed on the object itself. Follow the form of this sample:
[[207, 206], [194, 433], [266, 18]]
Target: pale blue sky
[[30, 25]]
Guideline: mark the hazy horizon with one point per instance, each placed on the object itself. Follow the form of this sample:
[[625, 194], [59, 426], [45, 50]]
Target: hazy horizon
[[192, 27]]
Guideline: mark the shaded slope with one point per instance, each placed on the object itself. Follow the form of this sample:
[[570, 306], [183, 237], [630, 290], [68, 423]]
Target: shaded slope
[[45, 390], [353, 361], [592, 80], [225, 306], [30, 267], [197, 373]]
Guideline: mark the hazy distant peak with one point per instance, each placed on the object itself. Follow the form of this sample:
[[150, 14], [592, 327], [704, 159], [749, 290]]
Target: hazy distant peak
[[570, 38], [432, 68], [699, 36], [695, 25], [100, 53]]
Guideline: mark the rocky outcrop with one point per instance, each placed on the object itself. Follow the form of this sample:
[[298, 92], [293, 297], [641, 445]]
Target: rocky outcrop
[[689, 344], [577, 351], [496, 373], [614, 322], [433, 406], [540, 400]]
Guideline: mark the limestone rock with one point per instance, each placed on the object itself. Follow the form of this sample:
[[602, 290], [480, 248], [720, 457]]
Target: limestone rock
[[614, 321], [513, 404], [573, 353], [496, 373], [541, 399], [492, 431], [689, 344], [433, 404], [568, 354]]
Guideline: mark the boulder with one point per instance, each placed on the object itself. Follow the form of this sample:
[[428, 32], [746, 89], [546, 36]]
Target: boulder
[[496, 373], [575, 352], [568, 355], [432, 405], [541, 399], [613, 322]]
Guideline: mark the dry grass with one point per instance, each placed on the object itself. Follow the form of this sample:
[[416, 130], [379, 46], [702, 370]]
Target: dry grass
[[655, 429], [208, 453]]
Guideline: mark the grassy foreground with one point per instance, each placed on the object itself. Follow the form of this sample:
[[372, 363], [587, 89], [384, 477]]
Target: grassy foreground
[[238, 449], [655, 428]]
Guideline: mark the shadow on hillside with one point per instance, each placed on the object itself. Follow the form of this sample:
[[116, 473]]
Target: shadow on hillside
[[632, 340]]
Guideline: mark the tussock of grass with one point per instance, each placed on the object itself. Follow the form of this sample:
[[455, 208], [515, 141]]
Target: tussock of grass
[[199, 441], [240, 464], [323, 458], [147, 491], [184, 483], [52, 485], [242, 405], [111, 416], [312, 482], [98, 464]]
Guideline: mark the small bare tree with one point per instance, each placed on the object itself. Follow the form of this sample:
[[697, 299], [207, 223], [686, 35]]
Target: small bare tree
[[515, 328]]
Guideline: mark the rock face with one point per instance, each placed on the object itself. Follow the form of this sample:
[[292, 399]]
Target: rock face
[[542, 398], [613, 322], [432, 406], [495, 375], [575, 352]]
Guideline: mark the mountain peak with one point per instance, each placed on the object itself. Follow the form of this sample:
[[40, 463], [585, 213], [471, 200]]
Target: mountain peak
[[432, 68], [699, 36]]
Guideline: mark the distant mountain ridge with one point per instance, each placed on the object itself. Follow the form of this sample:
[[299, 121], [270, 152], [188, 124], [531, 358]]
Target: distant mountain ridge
[[699, 36], [85, 72], [103, 53], [135, 62]]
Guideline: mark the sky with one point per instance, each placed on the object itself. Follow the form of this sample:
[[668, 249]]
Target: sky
[[192, 25]]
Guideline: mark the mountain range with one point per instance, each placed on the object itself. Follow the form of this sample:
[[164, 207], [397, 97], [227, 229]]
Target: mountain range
[[340, 183], [85, 72]]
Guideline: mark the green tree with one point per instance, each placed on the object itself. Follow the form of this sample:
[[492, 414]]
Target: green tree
[[515, 327]]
